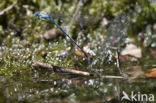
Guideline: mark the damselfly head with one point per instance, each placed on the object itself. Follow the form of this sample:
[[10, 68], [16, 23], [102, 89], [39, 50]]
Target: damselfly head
[[42, 16], [37, 14]]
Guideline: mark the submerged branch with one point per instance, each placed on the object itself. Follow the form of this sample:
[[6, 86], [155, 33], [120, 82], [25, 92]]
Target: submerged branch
[[57, 69], [60, 69]]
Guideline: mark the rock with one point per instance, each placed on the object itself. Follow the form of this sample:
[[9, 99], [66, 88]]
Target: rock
[[52, 34]]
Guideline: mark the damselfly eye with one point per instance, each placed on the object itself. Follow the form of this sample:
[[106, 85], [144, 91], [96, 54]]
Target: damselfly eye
[[36, 13]]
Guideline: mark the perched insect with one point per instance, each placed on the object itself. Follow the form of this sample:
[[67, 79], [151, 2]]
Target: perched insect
[[47, 17]]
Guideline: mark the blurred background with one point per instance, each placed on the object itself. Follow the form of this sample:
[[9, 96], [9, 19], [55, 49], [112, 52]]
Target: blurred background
[[97, 25]]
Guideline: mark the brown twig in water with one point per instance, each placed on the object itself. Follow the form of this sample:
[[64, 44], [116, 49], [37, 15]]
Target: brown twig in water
[[8, 8], [57, 69], [60, 69]]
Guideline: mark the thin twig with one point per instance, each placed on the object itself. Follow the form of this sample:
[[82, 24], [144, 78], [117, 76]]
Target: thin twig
[[60, 69], [113, 77], [118, 62], [57, 69], [8, 8]]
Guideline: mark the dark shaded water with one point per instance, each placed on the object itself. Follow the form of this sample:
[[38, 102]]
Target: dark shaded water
[[72, 90]]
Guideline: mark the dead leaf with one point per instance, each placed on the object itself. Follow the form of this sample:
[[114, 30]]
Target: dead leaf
[[132, 50], [90, 53], [151, 73], [79, 53]]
